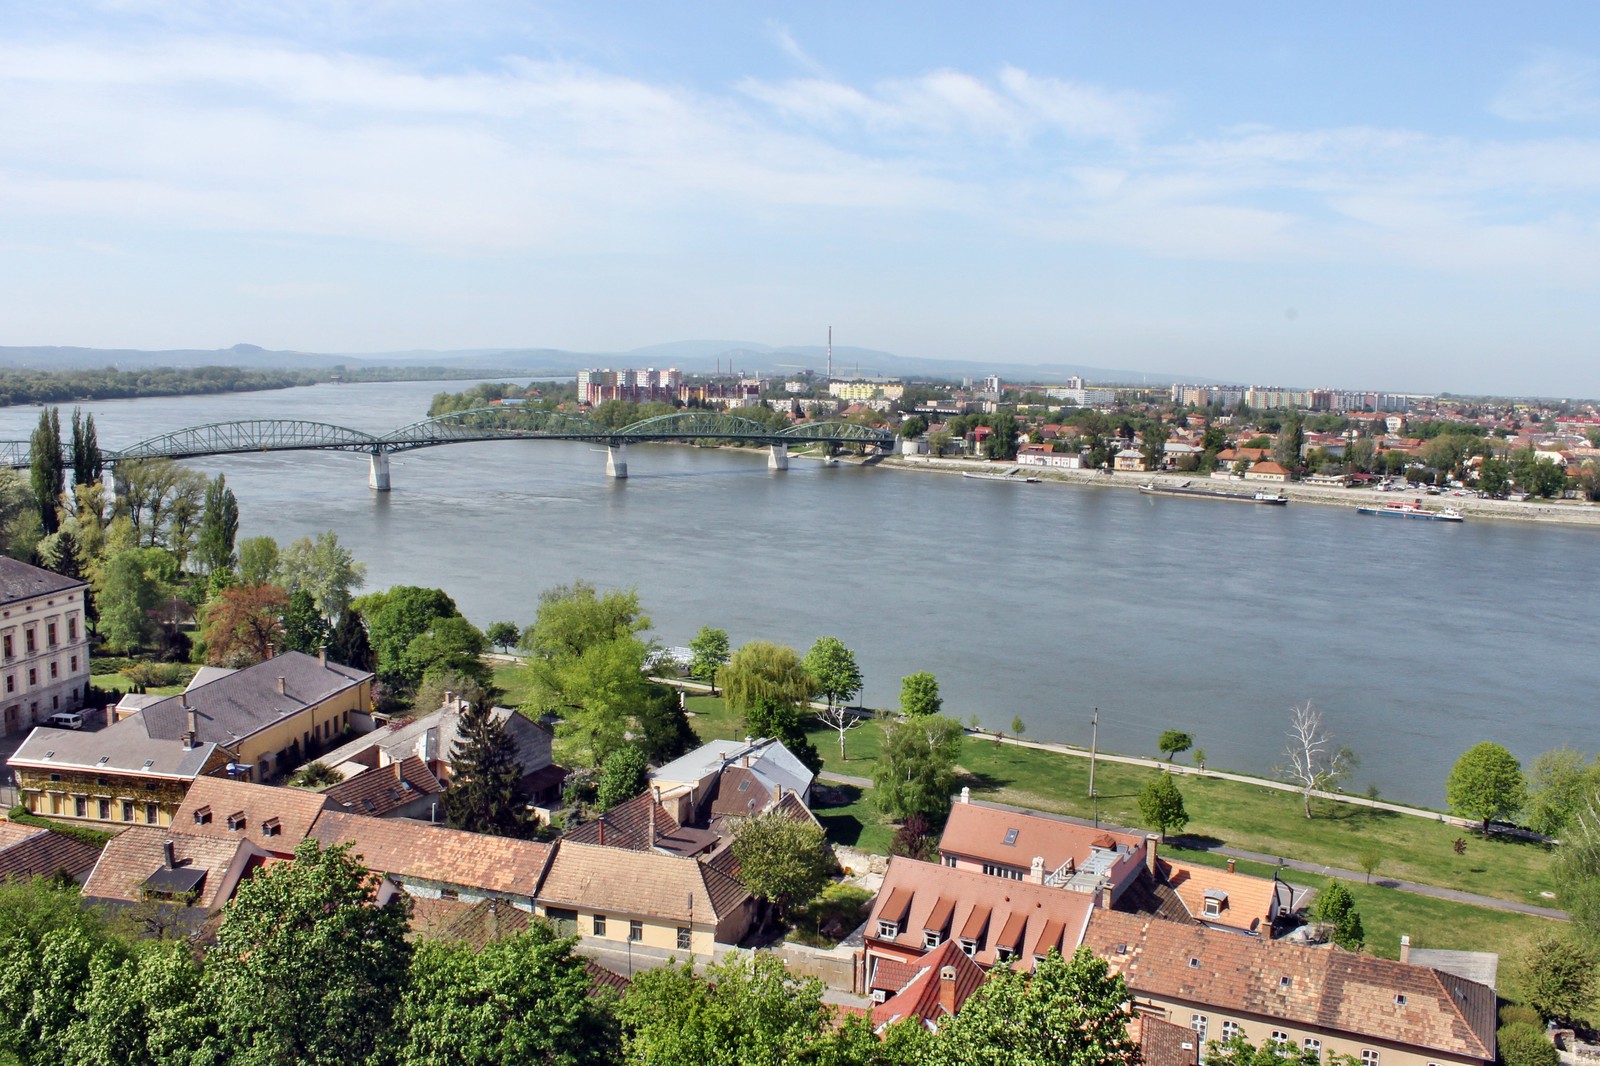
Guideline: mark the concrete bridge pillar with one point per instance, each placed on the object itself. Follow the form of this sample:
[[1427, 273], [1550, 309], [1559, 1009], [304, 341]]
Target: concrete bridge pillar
[[617, 461], [378, 472], [778, 457]]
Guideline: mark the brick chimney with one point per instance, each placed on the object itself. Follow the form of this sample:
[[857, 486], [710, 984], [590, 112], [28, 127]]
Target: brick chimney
[[170, 853], [1151, 842], [1231, 864], [947, 989], [1405, 949], [1107, 895], [602, 830], [655, 801]]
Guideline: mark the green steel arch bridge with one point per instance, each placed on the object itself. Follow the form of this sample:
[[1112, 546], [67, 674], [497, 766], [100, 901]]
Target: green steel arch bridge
[[501, 422]]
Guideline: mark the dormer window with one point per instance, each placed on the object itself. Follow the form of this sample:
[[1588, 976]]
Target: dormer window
[[271, 827], [202, 815], [236, 821], [931, 938], [969, 948], [1215, 901], [888, 930]]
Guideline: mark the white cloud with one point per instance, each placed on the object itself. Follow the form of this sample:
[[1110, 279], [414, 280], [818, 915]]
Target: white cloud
[[1553, 87], [781, 36]]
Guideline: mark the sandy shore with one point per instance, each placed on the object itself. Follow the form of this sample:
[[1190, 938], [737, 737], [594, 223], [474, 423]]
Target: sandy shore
[[1568, 512]]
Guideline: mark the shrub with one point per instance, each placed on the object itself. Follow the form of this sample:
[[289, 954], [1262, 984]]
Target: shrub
[[1520, 1014], [1526, 1045]]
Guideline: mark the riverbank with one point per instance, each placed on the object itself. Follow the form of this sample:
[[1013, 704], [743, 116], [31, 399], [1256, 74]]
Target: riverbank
[[1566, 512]]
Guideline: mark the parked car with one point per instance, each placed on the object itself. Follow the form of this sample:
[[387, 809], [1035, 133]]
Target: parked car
[[66, 720]]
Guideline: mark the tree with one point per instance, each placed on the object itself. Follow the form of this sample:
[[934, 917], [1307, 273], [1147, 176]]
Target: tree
[[1369, 859], [316, 775], [1559, 977], [1290, 443], [1494, 476], [307, 966], [1068, 1011], [783, 860], [452, 644], [258, 560], [919, 695], [522, 999], [1001, 444], [624, 775], [1237, 1051], [663, 730], [19, 517], [1174, 742], [47, 472], [1558, 783], [915, 773], [243, 624], [767, 675], [833, 670], [219, 527], [913, 427], [708, 651], [88, 466], [349, 644], [1314, 763], [1522, 1044], [1486, 783], [1161, 804], [502, 635], [304, 629], [486, 793], [128, 590], [394, 618], [1153, 444], [1335, 907], [324, 568], [1200, 758]]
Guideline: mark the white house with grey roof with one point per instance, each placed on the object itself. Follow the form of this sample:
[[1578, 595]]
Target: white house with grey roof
[[44, 645], [760, 770]]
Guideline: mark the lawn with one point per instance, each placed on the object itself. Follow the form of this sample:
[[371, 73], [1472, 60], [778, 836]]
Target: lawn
[[118, 683]]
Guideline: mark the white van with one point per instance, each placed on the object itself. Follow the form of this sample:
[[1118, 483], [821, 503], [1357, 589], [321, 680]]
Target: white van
[[66, 720]]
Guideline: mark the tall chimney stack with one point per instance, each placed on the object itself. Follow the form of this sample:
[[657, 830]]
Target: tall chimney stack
[[169, 850], [1151, 841], [1405, 949], [1231, 864], [322, 654], [283, 689], [947, 989]]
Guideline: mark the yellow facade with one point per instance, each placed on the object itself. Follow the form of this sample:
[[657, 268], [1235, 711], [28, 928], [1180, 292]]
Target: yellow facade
[[313, 726], [620, 928], [117, 798]]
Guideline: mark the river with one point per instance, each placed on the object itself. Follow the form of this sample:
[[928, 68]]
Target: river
[[1416, 639]]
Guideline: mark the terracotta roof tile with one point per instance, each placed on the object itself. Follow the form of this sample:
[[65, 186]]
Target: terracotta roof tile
[[382, 789], [979, 831], [276, 819], [670, 887], [922, 996], [29, 851], [1165, 1044], [132, 856], [1247, 902], [445, 856]]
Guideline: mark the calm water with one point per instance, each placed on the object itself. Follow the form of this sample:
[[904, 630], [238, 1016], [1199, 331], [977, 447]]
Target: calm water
[[1043, 601]]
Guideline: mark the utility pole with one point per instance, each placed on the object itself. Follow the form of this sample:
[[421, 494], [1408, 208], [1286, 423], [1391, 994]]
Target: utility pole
[[1094, 743]]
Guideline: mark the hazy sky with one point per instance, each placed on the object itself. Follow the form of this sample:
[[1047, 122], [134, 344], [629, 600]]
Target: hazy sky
[[1382, 195]]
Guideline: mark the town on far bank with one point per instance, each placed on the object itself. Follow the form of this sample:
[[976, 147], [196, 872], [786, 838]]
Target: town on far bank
[[257, 814]]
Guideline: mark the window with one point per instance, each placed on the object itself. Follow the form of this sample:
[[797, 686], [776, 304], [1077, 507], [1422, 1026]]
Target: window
[[80, 806], [684, 942], [969, 948], [202, 815], [1199, 1024], [1231, 1029], [888, 930], [931, 938], [948, 860], [50, 634], [1369, 1056], [1280, 1038], [9, 648], [1399, 999], [1311, 1043], [150, 814], [1211, 909], [33, 676], [104, 810], [996, 870], [55, 669], [74, 666], [271, 827], [635, 930], [1011, 838], [28, 642], [444, 893], [127, 810], [599, 925], [236, 821], [11, 682], [72, 629]]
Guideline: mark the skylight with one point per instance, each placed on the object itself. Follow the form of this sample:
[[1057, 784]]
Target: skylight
[[1011, 838]]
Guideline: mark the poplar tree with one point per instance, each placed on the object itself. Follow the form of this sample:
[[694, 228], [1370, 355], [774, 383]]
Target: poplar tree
[[219, 527], [48, 472], [88, 465], [349, 644], [486, 792]]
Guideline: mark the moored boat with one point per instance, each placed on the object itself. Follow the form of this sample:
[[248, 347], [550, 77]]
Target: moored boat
[[1402, 509], [1261, 496]]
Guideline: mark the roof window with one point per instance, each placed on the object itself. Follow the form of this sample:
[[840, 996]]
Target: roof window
[[1284, 982], [271, 827], [1194, 964], [1399, 999], [202, 815], [1011, 838], [236, 821]]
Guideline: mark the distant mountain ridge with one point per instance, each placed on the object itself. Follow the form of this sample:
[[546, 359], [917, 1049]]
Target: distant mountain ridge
[[694, 356]]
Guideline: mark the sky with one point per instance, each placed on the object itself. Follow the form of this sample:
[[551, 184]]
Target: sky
[[1384, 196]]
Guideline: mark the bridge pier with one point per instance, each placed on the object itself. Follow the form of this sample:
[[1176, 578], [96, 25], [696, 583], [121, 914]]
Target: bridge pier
[[378, 472], [778, 457], [617, 461]]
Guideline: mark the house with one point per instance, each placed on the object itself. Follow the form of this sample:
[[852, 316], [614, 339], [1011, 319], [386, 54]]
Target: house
[[1131, 461], [274, 819], [404, 789], [1164, 1044], [644, 824], [117, 774], [1266, 470], [44, 644], [1377, 1011], [428, 862], [431, 739], [930, 989], [732, 776], [200, 873], [922, 905], [1044, 456], [646, 898], [27, 851], [1226, 900], [1024, 845]]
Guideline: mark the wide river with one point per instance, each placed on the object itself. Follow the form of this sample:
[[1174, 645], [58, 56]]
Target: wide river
[[1416, 639]]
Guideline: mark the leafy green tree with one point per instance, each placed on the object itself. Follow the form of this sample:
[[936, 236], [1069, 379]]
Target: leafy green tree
[[88, 465], [1335, 907], [1161, 804], [783, 860], [219, 527], [1559, 977], [1578, 870], [1290, 443], [453, 644], [913, 427], [1153, 444], [623, 775], [523, 999], [19, 517], [1486, 783], [141, 1009], [833, 670], [1522, 1044], [1071, 1012], [1494, 476], [48, 472], [486, 793], [663, 730], [1558, 783], [915, 773], [304, 629], [394, 618], [1001, 444], [763, 674], [128, 590], [324, 568], [258, 560], [307, 967], [503, 634], [919, 695], [708, 651], [1238, 1051], [1174, 742]]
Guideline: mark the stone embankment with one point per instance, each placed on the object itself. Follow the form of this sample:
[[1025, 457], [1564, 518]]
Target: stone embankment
[[1570, 512]]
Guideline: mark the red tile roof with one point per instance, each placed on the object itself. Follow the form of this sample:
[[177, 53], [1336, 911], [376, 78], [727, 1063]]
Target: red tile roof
[[382, 789], [273, 818], [979, 831], [29, 851], [132, 856], [444, 856], [924, 995]]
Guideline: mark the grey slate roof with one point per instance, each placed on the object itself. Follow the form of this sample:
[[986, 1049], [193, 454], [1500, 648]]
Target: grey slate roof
[[124, 746], [19, 581], [247, 701], [770, 762], [400, 740]]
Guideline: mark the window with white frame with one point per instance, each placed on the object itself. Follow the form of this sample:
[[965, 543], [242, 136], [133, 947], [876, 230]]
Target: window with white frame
[[1199, 1023], [888, 930], [1312, 1044], [1369, 1056], [1231, 1029], [1280, 1038]]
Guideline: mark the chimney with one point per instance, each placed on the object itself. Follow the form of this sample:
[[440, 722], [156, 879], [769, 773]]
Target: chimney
[[602, 830], [193, 720], [111, 714], [183, 698], [1036, 871], [282, 685], [1106, 895], [272, 649], [322, 654], [1405, 949], [171, 854], [966, 794], [1150, 843], [449, 697], [1231, 864], [655, 801], [947, 989]]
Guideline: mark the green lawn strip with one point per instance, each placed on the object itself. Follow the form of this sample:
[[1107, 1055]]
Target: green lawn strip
[[95, 838], [512, 680], [118, 683]]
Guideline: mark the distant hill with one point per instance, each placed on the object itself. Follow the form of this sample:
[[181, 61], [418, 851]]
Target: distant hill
[[694, 356]]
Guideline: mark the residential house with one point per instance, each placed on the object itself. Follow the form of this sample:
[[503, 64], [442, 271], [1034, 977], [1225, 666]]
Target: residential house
[[930, 989], [198, 873], [922, 905], [1130, 460], [274, 819], [1024, 845], [1377, 1011], [734, 776], [1225, 899], [1266, 470], [646, 898], [644, 824], [404, 789], [44, 644], [1042, 455], [27, 851], [117, 774]]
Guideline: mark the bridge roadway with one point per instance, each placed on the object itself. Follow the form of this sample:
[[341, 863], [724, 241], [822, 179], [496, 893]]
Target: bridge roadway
[[500, 422]]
